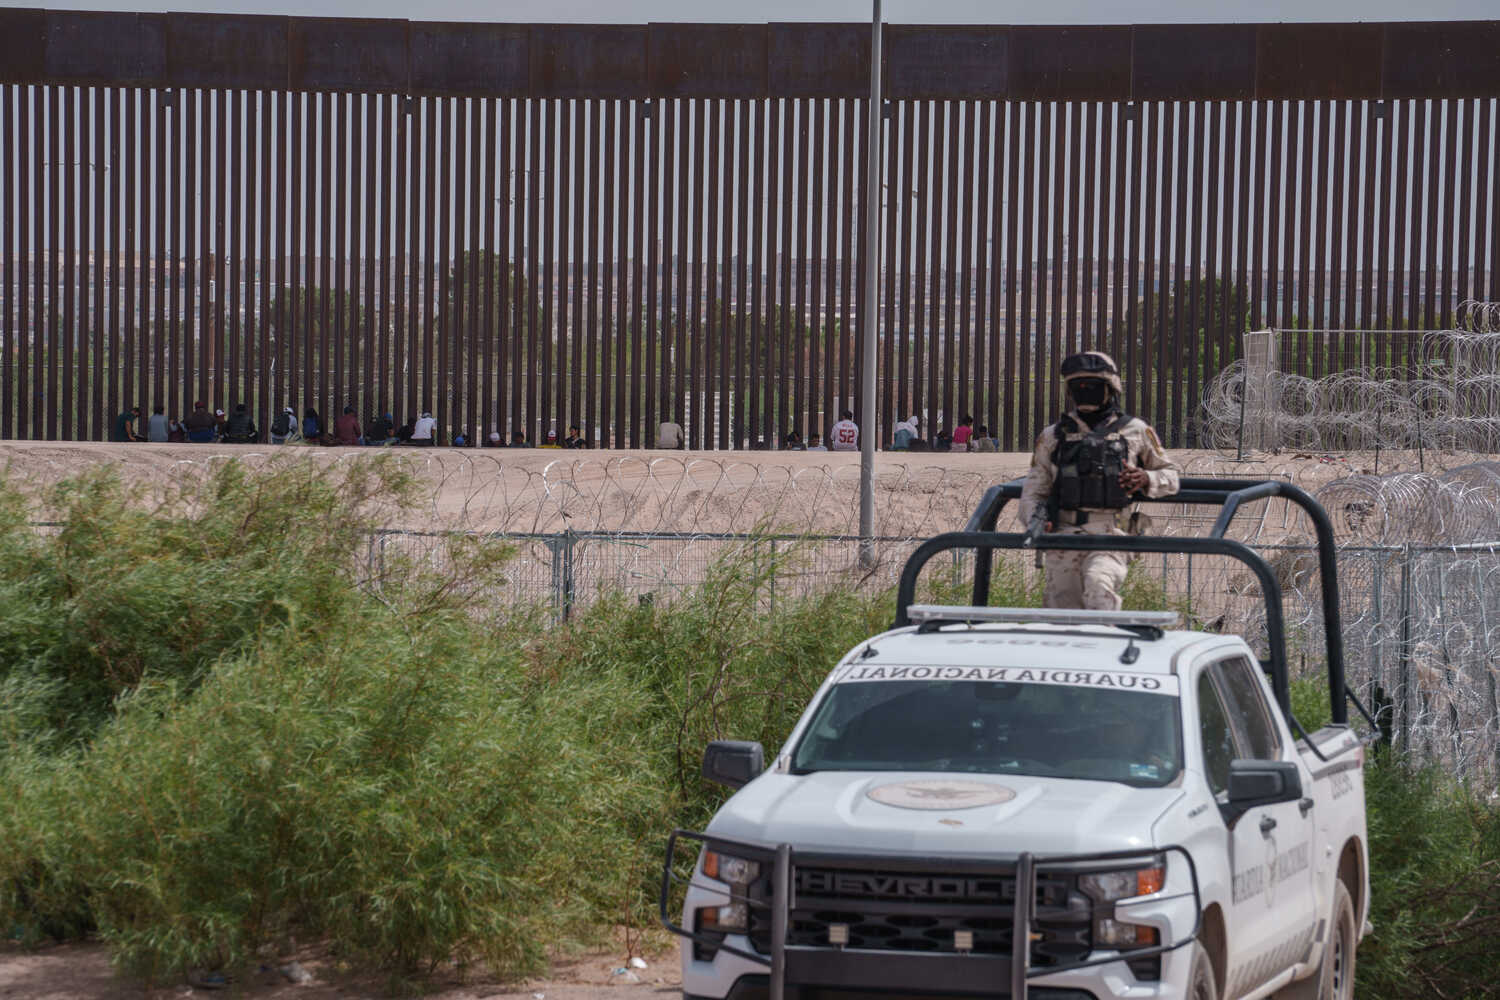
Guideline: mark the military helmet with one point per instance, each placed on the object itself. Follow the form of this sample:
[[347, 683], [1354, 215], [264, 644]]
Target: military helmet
[[1092, 364]]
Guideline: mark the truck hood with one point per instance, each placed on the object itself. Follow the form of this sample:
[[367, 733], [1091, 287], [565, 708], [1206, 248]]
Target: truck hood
[[943, 813]]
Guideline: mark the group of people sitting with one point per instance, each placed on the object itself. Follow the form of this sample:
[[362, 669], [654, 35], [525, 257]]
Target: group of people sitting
[[383, 430], [518, 439], [205, 426], [202, 426], [964, 437]]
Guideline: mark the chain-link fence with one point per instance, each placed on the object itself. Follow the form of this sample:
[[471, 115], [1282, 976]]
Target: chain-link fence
[[1420, 574], [1421, 623]]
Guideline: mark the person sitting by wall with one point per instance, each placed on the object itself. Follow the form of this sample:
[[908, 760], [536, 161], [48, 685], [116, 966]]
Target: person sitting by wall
[[346, 428], [156, 425], [312, 426], [963, 433], [906, 432], [202, 428], [240, 427], [382, 430], [424, 431], [284, 426], [125, 425]]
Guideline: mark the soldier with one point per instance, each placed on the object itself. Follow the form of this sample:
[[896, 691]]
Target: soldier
[[1083, 473]]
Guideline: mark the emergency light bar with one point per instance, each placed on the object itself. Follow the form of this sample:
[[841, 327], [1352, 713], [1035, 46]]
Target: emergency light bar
[[923, 613]]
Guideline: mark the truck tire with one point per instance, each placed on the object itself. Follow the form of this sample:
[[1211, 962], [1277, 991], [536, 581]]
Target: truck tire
[[1201, 982], [1334, 979]]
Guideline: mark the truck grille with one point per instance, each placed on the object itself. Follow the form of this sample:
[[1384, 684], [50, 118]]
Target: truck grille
[[921, 912]]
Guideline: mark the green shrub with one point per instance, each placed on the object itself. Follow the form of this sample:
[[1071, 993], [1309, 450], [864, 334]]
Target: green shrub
[[363, 762], [1434, 886], [393, 793], [123, 592], [1434, 849]]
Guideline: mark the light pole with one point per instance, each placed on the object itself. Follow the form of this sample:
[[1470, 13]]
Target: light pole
[[868, 314]]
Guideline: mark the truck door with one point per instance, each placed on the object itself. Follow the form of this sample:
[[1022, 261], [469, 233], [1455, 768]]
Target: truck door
[[1270, 922]]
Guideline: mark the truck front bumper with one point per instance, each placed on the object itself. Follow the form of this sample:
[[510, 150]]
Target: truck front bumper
[[774, 967]]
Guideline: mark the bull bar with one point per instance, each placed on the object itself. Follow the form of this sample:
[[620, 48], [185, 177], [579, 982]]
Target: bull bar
[[950, 972]]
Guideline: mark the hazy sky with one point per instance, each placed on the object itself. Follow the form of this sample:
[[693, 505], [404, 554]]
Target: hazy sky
[[904, 11]]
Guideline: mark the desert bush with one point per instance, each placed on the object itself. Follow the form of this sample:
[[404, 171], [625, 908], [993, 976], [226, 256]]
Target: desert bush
[[1434, 849], [397, 794], [373, 763], [377, 772], [124, 591], [1434, 885]]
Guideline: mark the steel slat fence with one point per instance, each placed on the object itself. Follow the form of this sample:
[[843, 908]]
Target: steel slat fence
[[521, 227]]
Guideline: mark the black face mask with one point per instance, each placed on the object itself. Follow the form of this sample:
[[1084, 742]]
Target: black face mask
[[1089, 394]]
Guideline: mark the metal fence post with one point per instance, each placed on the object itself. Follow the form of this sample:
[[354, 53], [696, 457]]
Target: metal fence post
[[554, 550], [1455, 736], [1377, 669], [1489, 668], [1403, 657], [569, 540], [773, 576], [1189, 590], [560, 548], [1239, 453]]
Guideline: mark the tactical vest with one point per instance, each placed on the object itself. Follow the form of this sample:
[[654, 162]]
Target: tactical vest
[[1088, 469]]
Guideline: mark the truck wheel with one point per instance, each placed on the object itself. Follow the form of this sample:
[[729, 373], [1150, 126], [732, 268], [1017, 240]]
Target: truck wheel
[[1334, 979], [1201, 983]]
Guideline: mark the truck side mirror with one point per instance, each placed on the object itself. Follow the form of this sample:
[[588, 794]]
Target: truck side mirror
[[734, 763], [1260, 783]]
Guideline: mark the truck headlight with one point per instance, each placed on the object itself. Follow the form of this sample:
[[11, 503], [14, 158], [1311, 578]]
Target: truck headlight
[[1105, 888], [733, 918], [728, 868]]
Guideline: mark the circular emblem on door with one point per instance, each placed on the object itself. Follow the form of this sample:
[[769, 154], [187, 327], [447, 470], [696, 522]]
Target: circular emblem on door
[[940, 793]]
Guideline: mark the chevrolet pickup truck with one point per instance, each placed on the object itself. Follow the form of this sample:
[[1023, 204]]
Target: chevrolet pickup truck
[[1070, 805]]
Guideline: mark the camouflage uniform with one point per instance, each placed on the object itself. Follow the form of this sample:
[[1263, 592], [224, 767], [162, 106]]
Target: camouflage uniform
[[1092, 579]]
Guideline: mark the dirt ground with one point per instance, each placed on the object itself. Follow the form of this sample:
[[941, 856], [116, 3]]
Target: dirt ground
[[82, 972], [549, 490]]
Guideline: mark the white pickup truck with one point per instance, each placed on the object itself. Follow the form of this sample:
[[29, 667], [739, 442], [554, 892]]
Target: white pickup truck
[[1066, 805]]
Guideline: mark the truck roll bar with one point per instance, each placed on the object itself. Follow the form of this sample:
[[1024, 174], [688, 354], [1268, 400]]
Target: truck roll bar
[[1229, 495], [985, 542]]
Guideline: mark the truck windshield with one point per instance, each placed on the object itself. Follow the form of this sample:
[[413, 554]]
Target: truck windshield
[[1050, 730]]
